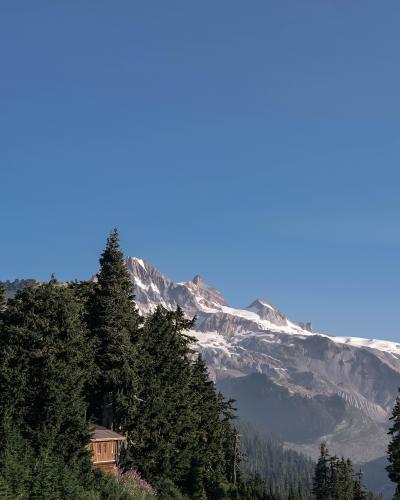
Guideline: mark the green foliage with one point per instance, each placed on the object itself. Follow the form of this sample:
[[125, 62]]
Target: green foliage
[[394, 448], [196, 479], [71, 354], [26, 475], [217, 441], [16, 458], [113, 321], [12, 287], [167, 490], [335, 479], [2, 298], [321, 483], [284, 471], [359, 492], [160, 428], [44, 360]]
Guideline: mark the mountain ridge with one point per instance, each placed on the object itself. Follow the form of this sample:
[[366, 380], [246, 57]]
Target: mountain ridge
[[239, 342], [261, 339]]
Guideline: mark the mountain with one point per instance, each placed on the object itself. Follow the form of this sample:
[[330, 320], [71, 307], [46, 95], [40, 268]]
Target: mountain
[[12, 287], [303, 385]]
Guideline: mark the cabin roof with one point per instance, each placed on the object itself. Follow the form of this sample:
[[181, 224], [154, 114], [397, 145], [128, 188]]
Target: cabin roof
[[104, 434]]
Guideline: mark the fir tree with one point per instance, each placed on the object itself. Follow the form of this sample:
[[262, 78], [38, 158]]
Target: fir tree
[[114, 321], [394, 448], [344, 486], [45, 358], [196, 479], [359, 492], [334, 479], [16, 458], [2, 298], [321, 483], [161, 429], [295, 494], [281, 468], [217, 441]]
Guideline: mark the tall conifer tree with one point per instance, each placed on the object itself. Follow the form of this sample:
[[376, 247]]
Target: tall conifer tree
[[162, 428], [2, 298], [359, 492], [216, 439], [321, 482], [394, 448], [44, 363], [114, 321]]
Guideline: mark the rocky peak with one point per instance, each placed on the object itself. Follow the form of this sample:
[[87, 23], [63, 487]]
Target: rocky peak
[[198, 280], [150, 286], [209, 296], [267, 312], [306, 326]]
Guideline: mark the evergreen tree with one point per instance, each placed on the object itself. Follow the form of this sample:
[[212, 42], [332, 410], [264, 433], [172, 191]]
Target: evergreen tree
[[281, 468], [359, 492], [114, 321], [2, 298], [16, 458], [196, 480], [394, 448], [295, 494], [343, 489], [334, 479], [3, 303], [216, 440], [44, 362], [321, 483], [161, 428]]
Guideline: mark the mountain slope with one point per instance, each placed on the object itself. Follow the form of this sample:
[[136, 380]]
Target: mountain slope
[[361, 374]]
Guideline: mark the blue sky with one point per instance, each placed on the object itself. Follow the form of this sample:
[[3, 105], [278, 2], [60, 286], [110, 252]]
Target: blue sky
[[256, 143]]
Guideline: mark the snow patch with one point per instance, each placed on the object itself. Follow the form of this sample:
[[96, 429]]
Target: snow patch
[[140, 262]]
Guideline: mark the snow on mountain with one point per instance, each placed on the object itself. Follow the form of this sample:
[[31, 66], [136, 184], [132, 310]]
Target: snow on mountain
[[258, 356], [196, 297], [237, 343]]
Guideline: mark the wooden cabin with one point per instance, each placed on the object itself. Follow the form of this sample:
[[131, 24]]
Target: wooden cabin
[[106, 446]]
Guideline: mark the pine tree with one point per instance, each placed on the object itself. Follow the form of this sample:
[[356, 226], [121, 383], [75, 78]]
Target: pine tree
[[359, 492], [2, 298], [114, 321], [394, 448], [45, 358], [45, 478], [217, 441], [281, 468], [334, 479], [295, 494], [161, 428], [3, 303], [196, 480], [322, 478], [15, 462], [344, 488]]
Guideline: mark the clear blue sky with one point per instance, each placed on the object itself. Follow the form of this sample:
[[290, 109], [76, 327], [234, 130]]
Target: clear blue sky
[[256, 143]]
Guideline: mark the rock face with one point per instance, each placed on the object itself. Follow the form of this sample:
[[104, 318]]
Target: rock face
[[343, 387]]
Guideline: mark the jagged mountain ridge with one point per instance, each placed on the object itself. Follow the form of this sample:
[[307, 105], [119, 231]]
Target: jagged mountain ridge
[[260, 339]]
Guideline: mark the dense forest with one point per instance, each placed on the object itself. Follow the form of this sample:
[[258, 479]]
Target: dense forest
[[76, 354], [283, 470]]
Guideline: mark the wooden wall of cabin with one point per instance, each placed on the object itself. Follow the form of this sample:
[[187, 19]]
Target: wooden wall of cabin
[[104, 451]]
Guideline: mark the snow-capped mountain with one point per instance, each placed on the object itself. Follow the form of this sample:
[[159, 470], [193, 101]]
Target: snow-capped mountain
[[196, 297], [361, 374]]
